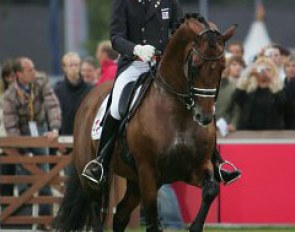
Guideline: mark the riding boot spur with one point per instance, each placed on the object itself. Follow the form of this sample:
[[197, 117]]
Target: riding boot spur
[[96, 170], [221, 174]]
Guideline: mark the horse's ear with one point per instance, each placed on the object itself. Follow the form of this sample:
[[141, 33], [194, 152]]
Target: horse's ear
[[229, 32]]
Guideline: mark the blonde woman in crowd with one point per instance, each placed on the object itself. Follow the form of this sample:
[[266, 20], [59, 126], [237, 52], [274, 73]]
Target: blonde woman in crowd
[[261, 97], [274, 54]]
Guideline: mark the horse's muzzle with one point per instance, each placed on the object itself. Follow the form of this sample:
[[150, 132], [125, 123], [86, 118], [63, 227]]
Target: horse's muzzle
[[203, 120]]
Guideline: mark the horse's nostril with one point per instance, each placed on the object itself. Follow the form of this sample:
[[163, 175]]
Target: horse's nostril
[[197, 118], [207, 120], [203, 120]]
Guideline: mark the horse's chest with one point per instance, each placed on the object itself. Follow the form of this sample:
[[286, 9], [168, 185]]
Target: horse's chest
[[188, 140]]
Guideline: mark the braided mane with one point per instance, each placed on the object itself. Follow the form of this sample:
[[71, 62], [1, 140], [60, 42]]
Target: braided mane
[[187, 17]]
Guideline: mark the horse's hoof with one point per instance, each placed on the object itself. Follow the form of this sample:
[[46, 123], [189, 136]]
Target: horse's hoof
[[196, 228]]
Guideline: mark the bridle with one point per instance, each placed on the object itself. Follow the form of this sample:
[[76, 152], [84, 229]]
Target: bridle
[[193, 70]]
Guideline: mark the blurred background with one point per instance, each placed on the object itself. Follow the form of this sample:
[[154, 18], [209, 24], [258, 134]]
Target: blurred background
[[45, 30]]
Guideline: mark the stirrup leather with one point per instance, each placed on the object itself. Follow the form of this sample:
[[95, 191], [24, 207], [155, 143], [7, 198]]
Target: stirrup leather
[[95, 161], [220, 167]]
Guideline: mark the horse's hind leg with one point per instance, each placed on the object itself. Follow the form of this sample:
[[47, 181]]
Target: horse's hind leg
[[210, 189], [126, 206]]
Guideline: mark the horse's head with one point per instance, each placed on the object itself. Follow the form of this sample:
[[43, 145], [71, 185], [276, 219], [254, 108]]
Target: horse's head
[[198, 47]]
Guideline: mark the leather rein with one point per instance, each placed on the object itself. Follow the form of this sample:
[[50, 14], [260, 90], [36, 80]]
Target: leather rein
[[188, 97]]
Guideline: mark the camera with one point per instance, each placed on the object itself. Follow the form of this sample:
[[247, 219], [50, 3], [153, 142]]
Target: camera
[[261, 69]]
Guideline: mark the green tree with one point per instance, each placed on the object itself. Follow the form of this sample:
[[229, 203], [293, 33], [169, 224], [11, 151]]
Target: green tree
[[98, 22]]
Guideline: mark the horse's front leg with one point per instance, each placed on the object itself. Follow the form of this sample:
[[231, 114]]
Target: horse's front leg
[[126, 206], [210, 189], [149, 190]]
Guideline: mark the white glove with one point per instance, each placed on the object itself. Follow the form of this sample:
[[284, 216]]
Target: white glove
[[145, 52]]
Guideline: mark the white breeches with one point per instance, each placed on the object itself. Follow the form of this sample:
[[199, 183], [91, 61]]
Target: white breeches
[[132, 73]]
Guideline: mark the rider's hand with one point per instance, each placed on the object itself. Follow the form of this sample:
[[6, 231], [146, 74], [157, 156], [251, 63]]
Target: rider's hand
[[144, 52]]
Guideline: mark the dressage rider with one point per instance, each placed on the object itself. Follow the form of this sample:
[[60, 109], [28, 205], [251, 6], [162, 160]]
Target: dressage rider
[[138, 29]]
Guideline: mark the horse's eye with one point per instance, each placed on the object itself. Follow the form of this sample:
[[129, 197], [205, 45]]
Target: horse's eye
[[197, 40]]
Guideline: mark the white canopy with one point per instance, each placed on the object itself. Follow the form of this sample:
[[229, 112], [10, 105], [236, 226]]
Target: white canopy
[[257, 37]]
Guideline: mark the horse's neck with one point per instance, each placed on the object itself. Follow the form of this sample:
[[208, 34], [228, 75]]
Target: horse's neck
[[171, 68], [171, 71]]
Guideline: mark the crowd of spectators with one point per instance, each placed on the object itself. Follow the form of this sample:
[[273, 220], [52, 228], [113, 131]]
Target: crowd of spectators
[[30, 105], [259, 96], [28, 99]]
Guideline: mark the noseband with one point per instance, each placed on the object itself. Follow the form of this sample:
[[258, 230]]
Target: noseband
[[193, 70]]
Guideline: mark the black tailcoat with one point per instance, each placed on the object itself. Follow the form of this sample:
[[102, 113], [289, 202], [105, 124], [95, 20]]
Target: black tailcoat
[[141, 22]]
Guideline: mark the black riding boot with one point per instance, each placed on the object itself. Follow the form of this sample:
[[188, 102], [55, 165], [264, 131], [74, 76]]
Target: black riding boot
[[96, 169], [222, 175]]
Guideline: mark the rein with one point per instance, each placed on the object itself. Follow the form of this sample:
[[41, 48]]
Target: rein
[[184, 97], [188, 97]]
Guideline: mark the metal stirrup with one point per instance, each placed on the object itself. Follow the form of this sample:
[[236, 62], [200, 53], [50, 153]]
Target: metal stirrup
[[95, 161], [221, 165]]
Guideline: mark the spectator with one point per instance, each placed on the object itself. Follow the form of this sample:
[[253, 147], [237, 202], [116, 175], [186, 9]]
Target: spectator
[[225, 107], [236, 48], [234, 67], [30, 107], [30, 99], [107, 58], [7, 77], [70, 91], [261, 97], [290, 91], [285, 53], [274, 54], [88, 70], [168, 208]]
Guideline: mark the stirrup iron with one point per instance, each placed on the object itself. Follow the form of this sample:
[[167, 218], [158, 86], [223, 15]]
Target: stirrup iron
[[95, 161], [220, 167]]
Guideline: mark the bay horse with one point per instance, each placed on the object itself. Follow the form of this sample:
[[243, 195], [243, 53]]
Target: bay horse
[[171, 136]]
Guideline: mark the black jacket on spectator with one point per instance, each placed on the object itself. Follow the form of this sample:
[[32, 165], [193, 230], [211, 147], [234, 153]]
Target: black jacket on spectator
[[290, 105], [261, 109], [70, 97]]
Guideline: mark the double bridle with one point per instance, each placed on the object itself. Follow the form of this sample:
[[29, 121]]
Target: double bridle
[[188, 98]]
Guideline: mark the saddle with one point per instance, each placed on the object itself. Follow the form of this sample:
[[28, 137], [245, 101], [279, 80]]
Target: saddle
[[130, 100], [132, 96]]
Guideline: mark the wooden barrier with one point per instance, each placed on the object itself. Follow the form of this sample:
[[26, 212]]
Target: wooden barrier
[[36, 180], [39, 178]]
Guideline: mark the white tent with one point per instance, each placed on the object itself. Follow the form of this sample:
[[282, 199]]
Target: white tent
[[258, 36]]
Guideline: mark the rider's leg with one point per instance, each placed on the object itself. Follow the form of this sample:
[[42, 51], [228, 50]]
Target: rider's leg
[[226, 176], [96, 168]]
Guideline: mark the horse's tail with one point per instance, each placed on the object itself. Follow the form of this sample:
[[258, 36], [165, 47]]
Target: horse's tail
[[78, 211]]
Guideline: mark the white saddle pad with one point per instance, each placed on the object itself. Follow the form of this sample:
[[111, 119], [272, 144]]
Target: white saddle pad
[[96, 126]]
